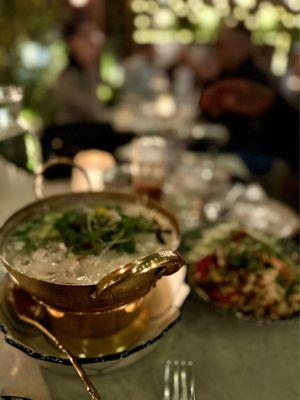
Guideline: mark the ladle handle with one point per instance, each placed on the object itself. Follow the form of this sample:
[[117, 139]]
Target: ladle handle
[[92, 391], [136, 278], [39, 176]]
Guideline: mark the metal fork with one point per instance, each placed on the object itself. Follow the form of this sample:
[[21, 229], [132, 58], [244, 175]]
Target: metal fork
[[179, 383]]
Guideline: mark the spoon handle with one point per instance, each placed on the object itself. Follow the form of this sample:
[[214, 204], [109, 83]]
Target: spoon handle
[[92, 391]]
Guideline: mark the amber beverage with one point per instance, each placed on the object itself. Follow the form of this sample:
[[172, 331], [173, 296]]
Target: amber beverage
[[152, 190], [150, 155]]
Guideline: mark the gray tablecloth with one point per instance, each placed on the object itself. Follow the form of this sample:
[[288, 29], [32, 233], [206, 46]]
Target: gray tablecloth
[[233, 359]]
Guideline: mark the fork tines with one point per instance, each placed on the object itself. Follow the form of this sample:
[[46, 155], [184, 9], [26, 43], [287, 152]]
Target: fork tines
[[179, 383]]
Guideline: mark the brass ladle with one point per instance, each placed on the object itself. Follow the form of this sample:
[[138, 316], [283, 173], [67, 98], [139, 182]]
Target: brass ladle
[[31, 312]]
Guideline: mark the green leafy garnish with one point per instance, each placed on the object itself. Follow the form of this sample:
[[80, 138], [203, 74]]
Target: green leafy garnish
[[88, 231]]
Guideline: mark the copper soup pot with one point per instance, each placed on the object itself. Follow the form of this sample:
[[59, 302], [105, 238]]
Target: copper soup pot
[[124, 285]]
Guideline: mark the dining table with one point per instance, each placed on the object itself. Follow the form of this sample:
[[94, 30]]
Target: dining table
[[233, 359]]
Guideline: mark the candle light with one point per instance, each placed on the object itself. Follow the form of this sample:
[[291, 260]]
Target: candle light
[[94, 163], [165, 106]]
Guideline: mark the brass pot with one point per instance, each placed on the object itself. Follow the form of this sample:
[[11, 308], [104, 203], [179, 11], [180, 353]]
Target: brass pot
[[124, 285], [118, 328]]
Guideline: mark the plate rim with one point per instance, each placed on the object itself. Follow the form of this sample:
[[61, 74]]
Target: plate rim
[[95, 360], [89, 360]]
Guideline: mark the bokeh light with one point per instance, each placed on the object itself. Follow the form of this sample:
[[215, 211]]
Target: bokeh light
[[246, 4], [240, 13], [104, 93], [267, 16], [78, 3], [138, 6], [293, 4], [34, 55], [142, 21], [164, 18], [184, 36]]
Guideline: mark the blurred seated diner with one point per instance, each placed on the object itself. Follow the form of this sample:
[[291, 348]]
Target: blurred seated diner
[[75, 91], [263, 127], [234, 51]]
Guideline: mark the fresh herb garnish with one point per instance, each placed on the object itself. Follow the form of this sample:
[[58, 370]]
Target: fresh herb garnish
[[251, 253], [88, 231]]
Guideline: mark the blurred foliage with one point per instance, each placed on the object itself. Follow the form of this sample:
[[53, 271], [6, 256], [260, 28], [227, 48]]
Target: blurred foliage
[[189, 21], [37, 22], [25, 20], [32, 54]]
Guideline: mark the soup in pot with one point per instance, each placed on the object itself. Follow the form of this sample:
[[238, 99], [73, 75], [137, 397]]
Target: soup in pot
[[81, 244]]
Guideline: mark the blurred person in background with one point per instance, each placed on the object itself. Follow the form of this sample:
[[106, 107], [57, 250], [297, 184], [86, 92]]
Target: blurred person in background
[[194, 67], [234, 52], [262, 57], [206, 64], [240, 104], [263, 125], [140, 69], [75, 91], [198, 64], [258, 117]]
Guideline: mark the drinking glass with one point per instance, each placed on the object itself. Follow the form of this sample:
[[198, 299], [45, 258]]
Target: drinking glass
[[150, 160], [17, 144]]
